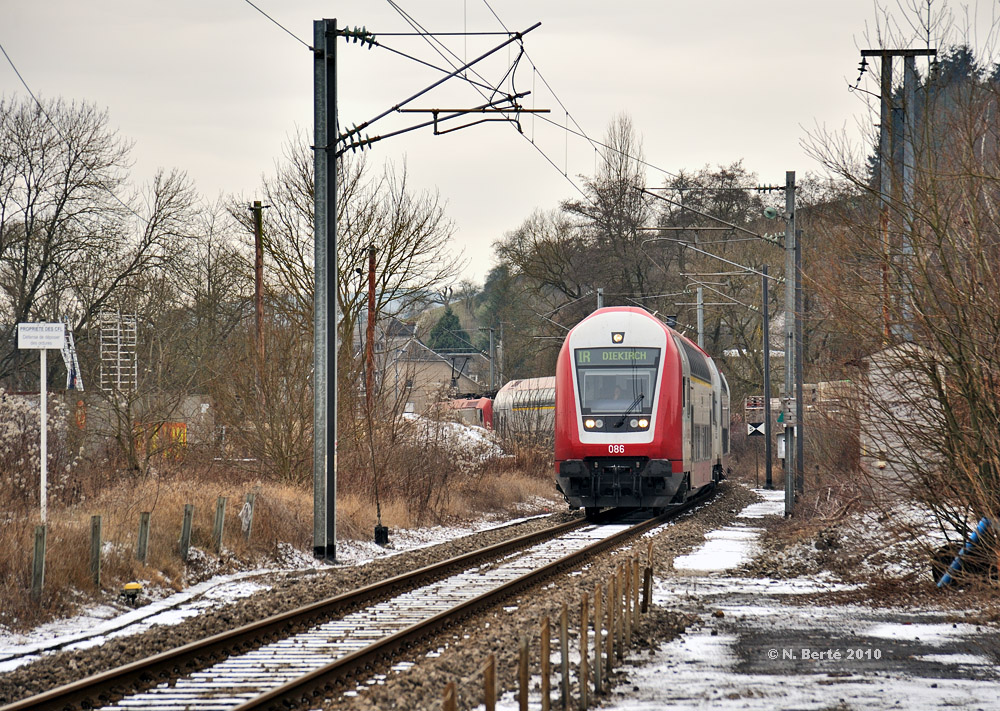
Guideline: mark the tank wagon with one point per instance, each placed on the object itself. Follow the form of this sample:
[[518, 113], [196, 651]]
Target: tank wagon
[[524, 409]]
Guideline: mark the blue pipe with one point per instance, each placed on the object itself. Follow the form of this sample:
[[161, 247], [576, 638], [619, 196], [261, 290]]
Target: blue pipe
[[956, 564]]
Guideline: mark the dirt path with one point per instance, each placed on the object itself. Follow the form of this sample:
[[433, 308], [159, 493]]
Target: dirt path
[[788, 644]]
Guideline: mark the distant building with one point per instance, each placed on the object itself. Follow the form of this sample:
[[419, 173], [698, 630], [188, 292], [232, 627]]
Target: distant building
[[899, 413], [413, 376]]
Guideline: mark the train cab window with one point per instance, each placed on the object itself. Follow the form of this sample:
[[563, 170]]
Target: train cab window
[[616, 380]]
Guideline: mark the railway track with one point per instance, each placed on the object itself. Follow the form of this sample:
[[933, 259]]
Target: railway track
[[314, 650]]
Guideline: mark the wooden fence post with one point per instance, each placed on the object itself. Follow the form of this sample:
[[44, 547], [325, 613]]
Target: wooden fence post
[[220, 518], [546, 664], [490, 683], [142, 545], [38, 564], [609, 652], [522, 676], [619, 613], [635, 590], [449, 703], [584, 650], [95, 550], [647, 588], [564, 654], [598, 639], [628, 604], [186, 531]]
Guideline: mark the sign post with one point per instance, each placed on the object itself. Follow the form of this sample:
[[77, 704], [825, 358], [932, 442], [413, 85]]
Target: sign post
[[42, 336]]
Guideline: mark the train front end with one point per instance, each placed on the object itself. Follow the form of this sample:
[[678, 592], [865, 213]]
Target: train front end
[[618, 423]]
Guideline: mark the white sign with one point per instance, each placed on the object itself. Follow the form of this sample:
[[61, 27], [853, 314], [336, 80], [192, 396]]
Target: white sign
[[41, 335], [755, 429]]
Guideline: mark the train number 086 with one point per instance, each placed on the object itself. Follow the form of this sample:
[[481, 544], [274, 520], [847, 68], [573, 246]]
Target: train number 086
[[616, 449]]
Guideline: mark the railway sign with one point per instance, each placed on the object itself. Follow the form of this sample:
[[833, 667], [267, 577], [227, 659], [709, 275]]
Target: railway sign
[[755, 429], [42, 336], [788, 412], [754, 402]]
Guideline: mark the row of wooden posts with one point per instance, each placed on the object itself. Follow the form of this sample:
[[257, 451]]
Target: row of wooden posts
[[142, 543], [614, 624]]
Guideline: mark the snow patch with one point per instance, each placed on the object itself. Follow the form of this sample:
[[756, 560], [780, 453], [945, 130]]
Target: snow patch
[[733, 546]]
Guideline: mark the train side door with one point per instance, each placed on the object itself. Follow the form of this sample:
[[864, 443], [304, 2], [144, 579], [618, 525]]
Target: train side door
[[687, 407]]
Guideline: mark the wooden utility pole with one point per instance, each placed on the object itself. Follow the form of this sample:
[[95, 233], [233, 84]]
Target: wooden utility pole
[[258, 276], [370, 334]]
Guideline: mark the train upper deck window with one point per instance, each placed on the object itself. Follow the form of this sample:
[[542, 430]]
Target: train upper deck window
[[612, 379], [697, 361]]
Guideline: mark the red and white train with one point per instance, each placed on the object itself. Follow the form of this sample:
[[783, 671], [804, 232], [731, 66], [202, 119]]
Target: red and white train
[[473, 410], [641, 413]]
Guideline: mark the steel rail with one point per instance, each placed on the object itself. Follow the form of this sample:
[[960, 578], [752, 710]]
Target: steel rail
[[308, 688], [102, 687]]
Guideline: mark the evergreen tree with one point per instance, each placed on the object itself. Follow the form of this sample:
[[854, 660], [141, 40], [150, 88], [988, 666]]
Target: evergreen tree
[[448, 336]]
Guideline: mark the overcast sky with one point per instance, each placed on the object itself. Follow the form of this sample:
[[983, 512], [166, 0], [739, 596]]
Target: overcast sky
[[216, 89]]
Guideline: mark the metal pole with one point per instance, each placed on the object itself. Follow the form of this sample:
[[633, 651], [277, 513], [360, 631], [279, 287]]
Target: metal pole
[[493, 356], [909, 129], [502, 347], [799, 424], [332, 330], [701, 317], [44, 421], [885, 182], [789, 337], [768, 482], [600, 298], [325, 327]]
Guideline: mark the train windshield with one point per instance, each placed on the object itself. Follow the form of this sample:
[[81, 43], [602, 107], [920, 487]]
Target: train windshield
[[616, 380]]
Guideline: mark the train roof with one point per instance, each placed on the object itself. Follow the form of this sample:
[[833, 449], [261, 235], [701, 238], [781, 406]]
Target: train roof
[[548, 381], [639, 311]]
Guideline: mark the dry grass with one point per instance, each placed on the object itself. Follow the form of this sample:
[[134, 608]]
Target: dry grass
[[283, 516]]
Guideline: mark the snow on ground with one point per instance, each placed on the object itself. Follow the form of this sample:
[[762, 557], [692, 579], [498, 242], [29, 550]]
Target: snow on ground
[[732, 546], [458, 435], [101, 622], [759, 648], [759, 644]]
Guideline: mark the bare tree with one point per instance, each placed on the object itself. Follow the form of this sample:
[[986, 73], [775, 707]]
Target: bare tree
[[922, 299], [615, 211], [410, 233], [73, 240]]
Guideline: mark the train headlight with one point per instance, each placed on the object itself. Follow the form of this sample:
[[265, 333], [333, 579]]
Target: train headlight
[[643, 423], [600, 423], [617, 336], [590, 424], [633, 423]]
